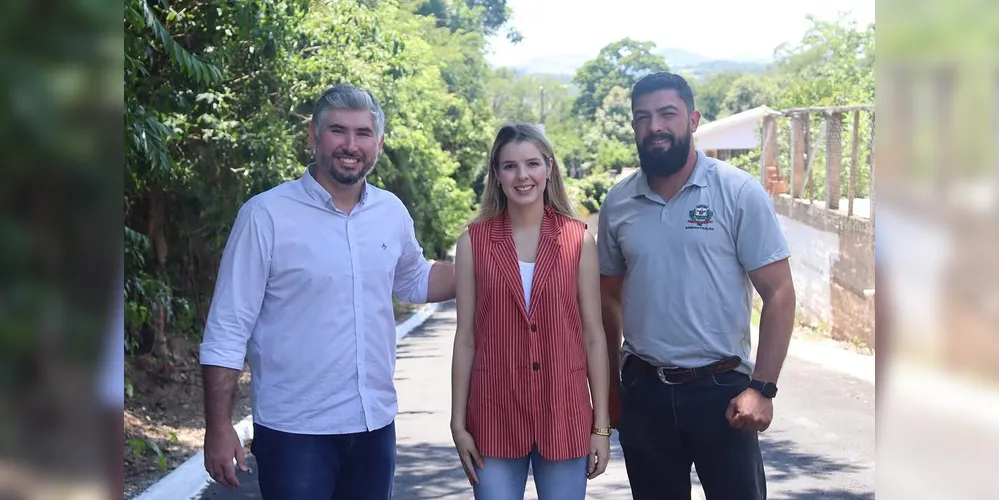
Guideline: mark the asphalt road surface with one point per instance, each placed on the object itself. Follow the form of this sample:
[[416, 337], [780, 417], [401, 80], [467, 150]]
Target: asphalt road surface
[[820, 446]]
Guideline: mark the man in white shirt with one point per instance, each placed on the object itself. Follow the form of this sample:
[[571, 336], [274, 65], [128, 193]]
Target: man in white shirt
[[110, 385], [304, 292]]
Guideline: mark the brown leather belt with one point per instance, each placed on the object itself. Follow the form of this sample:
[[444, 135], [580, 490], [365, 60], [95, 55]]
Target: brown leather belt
[[676, 375]]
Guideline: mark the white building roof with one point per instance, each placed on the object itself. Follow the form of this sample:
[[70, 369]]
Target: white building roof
[[738, 131]]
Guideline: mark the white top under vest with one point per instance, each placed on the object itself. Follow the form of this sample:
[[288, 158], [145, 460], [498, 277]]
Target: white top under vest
[[527, 278]]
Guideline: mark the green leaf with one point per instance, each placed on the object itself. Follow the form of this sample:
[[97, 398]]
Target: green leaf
[[188, 63], [138, 446]]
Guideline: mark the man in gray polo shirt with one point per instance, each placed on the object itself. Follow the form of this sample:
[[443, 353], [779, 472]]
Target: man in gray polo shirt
[[682, 242]]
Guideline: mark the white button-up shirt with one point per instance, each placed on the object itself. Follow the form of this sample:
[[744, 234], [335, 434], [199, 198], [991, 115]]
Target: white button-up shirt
[[306, 291]]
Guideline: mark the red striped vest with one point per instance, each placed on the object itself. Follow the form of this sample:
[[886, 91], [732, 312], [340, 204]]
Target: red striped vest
[[529, 378]]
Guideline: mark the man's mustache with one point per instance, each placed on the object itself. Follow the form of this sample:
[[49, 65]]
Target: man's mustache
[[652, 138]]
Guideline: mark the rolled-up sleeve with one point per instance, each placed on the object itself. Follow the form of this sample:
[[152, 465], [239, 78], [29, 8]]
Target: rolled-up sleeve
[[239, 289], [412, 272]]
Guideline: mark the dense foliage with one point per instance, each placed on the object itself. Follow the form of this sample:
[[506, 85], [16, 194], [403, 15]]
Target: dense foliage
[[589, 119], [218, 95], [217, 103]]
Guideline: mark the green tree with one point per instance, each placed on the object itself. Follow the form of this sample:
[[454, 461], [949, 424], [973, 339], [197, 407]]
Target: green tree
[[516, 97], [465, 133], [484, 16], [217, 109], [593, 189], [198, 142], [748, 92], [611, 138], [832, 65], [709, 93], [619, 64], [613, 119]]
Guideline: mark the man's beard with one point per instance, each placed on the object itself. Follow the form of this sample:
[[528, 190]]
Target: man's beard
[[658, 163], [325, 163]]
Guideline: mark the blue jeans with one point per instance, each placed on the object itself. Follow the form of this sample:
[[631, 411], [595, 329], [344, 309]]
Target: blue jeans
[[506, 478], [325, 467], [666, 428]]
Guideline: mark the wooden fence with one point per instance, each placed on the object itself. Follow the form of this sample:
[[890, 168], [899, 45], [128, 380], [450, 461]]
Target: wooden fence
[[788, 162]]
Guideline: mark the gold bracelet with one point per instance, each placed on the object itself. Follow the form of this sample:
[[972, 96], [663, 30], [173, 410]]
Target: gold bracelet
[[602, 431]]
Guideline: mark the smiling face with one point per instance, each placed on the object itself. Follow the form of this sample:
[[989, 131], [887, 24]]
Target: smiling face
[[663, 131], [522, 172], [346, 144]]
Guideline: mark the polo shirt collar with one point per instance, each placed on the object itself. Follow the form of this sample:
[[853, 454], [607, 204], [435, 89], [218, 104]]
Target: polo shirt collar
[[699, 177]]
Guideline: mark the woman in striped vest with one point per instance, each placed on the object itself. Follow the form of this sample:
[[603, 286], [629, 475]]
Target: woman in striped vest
[[530, 373]]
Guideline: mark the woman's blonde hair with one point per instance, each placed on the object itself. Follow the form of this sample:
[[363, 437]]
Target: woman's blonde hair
[[494, 200]]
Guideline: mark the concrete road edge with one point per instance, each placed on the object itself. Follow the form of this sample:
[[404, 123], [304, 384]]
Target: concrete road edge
[[190, 479]]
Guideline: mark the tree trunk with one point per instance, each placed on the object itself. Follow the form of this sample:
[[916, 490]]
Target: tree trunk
[[158, 242]]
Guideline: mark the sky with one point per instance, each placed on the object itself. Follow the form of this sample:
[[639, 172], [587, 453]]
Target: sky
[[721, 29]]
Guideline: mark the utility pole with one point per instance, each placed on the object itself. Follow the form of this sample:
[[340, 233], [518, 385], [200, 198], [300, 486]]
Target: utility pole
[[542, 105]]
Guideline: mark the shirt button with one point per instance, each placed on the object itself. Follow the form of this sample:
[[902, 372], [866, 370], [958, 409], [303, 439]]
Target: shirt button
[[536, 366], [534, 328]]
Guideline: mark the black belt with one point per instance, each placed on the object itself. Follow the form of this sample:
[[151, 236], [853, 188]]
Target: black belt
[[675, 375]]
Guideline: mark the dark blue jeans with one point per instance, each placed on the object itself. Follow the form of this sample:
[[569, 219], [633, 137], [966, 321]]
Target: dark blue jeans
[[325, 467], [666, 428]]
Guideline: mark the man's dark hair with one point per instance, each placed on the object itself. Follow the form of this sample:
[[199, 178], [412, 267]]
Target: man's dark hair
[[663, 80]]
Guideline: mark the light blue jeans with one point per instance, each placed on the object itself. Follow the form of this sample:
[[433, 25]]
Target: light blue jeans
[[506, 478]]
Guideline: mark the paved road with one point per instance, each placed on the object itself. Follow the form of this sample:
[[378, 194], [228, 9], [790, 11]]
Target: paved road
[[938, 437], [820, 446]]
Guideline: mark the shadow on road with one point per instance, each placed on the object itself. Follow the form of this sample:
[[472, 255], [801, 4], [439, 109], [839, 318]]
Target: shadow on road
[[410, 347], [784, 461], [788, 469], [408, 350], [439, 319], [248, 489], [426, 471], [819, 494]]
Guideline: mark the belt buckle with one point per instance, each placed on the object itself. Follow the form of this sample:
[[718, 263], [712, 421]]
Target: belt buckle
[[660, 371]]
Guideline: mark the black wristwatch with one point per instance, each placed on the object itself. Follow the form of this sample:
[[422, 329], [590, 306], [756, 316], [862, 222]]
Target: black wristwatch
[[767, 389]]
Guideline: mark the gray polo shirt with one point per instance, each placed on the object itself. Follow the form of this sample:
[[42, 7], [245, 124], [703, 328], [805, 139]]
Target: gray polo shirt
[[687, 294]]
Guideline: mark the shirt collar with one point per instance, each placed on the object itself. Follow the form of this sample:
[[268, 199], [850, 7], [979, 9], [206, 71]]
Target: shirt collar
[[317, 192]]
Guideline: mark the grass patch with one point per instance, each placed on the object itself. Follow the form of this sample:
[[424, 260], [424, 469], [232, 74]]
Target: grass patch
[[808, 329]]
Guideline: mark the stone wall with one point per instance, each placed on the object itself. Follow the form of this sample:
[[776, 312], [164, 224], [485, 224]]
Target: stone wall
[[833, 266]]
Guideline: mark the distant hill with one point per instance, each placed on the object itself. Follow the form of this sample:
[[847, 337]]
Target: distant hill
[[565, 78], [708, 68], [563, 67], [680, 58], [560, 66], [698, 66]]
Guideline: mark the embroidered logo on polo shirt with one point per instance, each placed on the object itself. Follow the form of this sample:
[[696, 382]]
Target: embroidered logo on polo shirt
[[384, 246], [701, 217]]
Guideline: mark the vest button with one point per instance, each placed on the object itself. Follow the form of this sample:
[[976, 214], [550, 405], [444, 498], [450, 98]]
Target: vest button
[[534, 328], [536, 366]]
